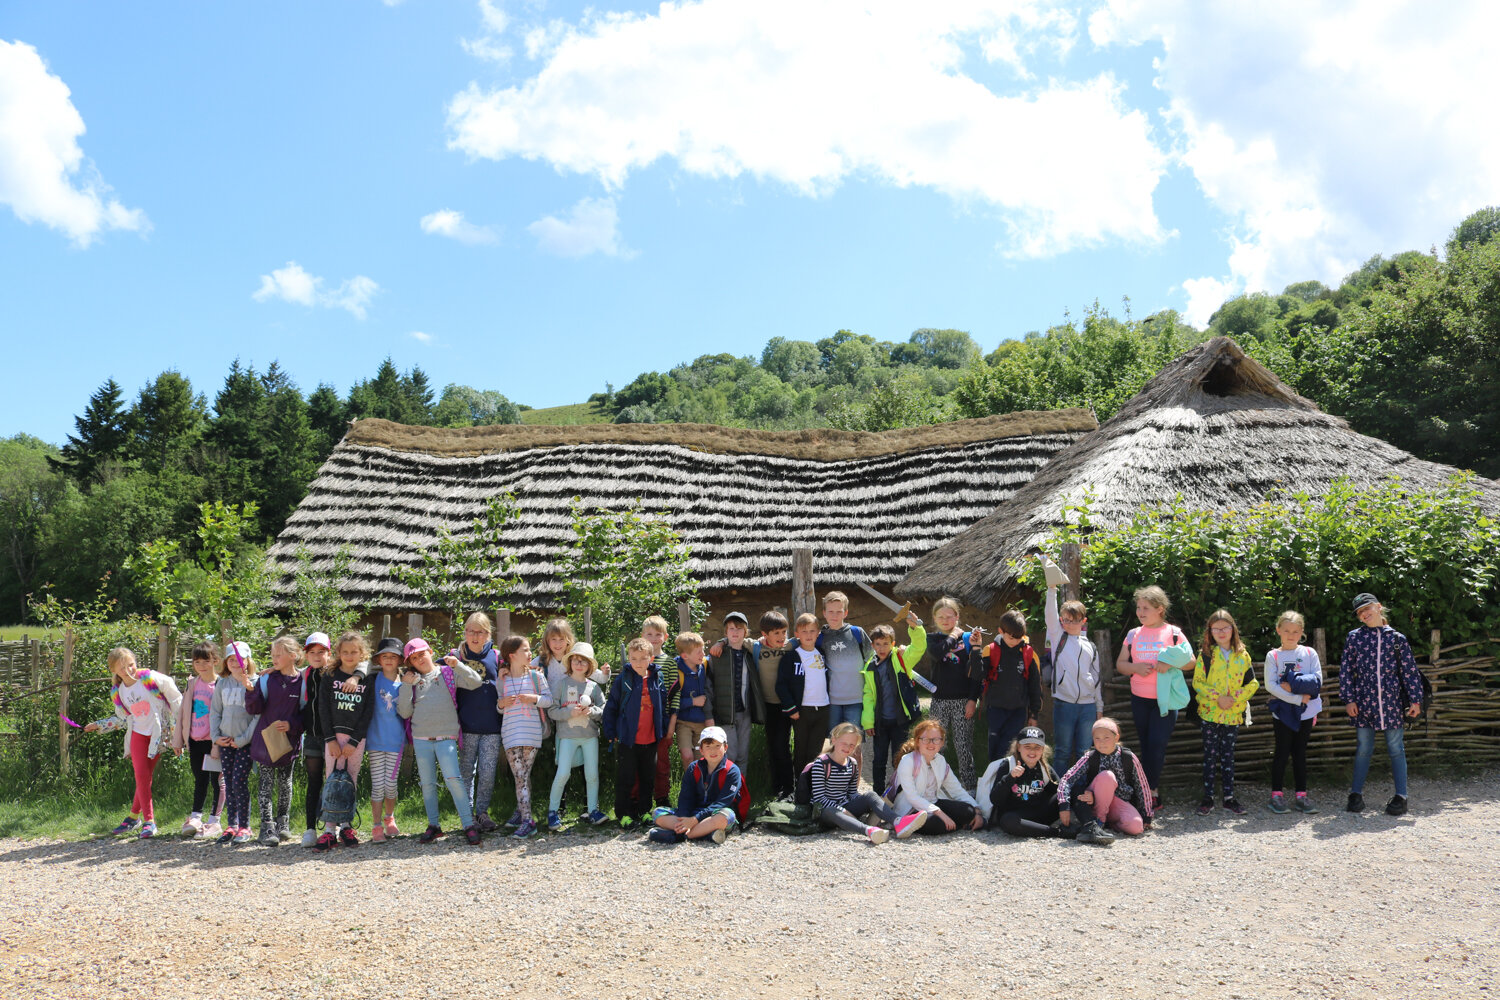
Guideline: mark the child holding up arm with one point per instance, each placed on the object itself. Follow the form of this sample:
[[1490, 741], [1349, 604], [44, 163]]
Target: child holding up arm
[[891, 704], [1224, 682]]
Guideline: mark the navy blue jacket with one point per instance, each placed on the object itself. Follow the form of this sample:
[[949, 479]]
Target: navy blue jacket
[[622, 709], [690, 685], [700, 795], [479, 709], [791, 679]]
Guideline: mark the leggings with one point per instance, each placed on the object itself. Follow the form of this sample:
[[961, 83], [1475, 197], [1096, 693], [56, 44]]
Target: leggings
[[203, 780], [811, 730], [312, 801], [1293, 743], [1154, 730], [385, 765], [950, 713], [277, 778], [479, 756], [851, 815], [1218, 751], [236, 762], [1017, 825], [635, 763], [961, 813], [779, 750], [521, 759], [568, 752], [1114, 812], [144, 767]]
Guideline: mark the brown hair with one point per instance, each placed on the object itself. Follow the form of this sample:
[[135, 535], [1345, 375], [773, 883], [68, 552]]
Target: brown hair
[[1073, 609], [1013, 624], [557, 626], [882, 631], [689, 640], [289, 643], [509, 645], [807, 618], [1154, 596], [637, 645], [946, 602], [771, 621], [835, 595], [916, 734], [1210, 643], [351, 637], [206, 651], [116, 655]]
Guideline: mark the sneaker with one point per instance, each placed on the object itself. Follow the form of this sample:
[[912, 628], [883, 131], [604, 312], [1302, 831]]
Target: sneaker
[[1233, 805], [268, 837], [191, 826], [241, 836], [126, 825], [210, 831], [554, 822], [391, 829], [877, 835], [1155, 803], [1277, 803], [515, 819], [471, 834], [1395, 807], [909, 824], [283, 832], [1204, 807], [325, 843], [485, 824], [310, 838], [430, 834], [348, 837], [148, 828], [661, 835], [1356, 803], [1088, 833], [595, 818], [626, 822], [718, 836], [1303, 805], [1103, 834], [377, 833], [227, 835], [526, 829]]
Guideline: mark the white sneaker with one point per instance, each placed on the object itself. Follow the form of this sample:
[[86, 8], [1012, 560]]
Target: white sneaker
[[310, 838], [717, 836], [192, 826], [210, 831], [877, 835]]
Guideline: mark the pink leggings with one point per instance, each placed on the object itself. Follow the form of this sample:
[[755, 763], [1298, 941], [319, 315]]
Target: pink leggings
[[144, 768], [1113, 812]]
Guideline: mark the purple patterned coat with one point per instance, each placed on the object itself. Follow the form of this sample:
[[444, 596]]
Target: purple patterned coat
[[1379, 674]]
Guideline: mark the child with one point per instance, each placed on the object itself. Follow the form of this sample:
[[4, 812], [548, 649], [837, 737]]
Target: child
[[1294, 678], [1009, 676], [846, 649], [738, 701], [1224, 682], [557, 640], [478, 718], [1137, 660], [654, 630], [145, 702], [695, 695], [1377, 679], [232, 726], [278, 697], [955, 691], [925, 783], [317, 649], [524, 697], [577, 707], [891, 705], [802, 689], [345, 721], [193, 732], [635, 716], [429, 699], [1070, 671], [1111, 781], [706, 800], [778, 727], [1018, 794], [385, 740], [833, 787]]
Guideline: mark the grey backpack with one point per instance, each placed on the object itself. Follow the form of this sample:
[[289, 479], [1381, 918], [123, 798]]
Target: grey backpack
[[339, 795]]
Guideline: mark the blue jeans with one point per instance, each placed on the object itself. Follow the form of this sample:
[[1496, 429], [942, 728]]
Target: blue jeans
[[846, 713], [568, 753], [1154, 730], [1005, 725], [1364, 749], [1072, 732], [434, 754]]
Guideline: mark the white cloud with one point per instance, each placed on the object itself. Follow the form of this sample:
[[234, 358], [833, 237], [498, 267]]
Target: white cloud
[[488, 45], [293, 284], [420, 337], [446, 222], [809, 94], [591, 226], [1325, 132], [44, 176]]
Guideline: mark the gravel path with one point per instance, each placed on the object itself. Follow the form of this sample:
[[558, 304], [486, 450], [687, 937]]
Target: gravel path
[[1262, 906]]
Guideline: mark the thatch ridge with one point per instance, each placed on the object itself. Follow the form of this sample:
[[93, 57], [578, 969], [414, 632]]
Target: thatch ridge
[[1214, 425]]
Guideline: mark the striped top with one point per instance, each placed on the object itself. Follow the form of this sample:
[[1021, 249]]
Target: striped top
[[833, 783], [521, 725]]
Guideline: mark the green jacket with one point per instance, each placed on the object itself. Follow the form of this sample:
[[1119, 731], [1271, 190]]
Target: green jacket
[[905, 659]]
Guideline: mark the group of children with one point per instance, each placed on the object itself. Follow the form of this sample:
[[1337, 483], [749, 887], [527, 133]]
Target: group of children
[[837, 684]]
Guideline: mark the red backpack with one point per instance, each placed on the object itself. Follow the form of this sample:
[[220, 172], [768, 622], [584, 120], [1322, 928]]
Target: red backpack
[[1028, 660], [741, 801]]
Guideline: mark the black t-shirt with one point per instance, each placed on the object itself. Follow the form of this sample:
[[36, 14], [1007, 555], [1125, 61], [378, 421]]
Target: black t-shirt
[[950, 666]]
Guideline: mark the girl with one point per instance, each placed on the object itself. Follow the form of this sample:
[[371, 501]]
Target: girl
[[278, 697], [146, 702], [577, 707], [193, 732], [345, 721], [1294, 677], [1377, 680], [1224, 682], [524, 694], [385, 740], [231, 725], [1108, 785], [319, 664], [428, 698], [1018, 794], [925, 783], [955, 699], [1137, 660], [835, 797], [478, 717]]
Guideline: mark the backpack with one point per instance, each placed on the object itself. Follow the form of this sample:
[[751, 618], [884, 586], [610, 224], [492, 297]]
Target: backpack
[[803, 794], [1028, 660], [1048, 663], [741, 801], [301, 701], [336, 805]]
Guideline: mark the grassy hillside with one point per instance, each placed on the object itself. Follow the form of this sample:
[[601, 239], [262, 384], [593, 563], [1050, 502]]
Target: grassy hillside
[[573, 413]]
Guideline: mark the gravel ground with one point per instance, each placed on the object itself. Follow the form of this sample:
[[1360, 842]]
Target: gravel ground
[[1262, 906]]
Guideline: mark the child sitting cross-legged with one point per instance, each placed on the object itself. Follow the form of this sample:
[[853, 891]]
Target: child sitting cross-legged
[[706, 802]]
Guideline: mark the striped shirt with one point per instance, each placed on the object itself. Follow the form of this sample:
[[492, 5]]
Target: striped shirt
[[522, 722], [833, 783]]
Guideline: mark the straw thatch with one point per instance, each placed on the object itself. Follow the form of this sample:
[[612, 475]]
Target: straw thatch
[[869, 504], [1215, 426]]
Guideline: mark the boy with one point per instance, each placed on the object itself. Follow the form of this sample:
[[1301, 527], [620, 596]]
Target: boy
[[1010, 680], [802, 687], [1071, 672], [890, 701], [635, 716], [695, 694], [654, 630], [846, 650], [706, 801], [768, 652], [737, 699]]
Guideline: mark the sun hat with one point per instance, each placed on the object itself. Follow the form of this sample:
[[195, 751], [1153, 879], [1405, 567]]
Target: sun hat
[[585, 650], [239, 650]]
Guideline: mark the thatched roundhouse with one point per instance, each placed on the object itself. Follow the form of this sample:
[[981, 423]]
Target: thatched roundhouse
[[868, 503], [1214, 425]]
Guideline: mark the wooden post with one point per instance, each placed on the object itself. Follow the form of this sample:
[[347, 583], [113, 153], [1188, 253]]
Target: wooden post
[[385, 626], [413, 627], [1320, 645], [1072, 564], [684, 617], [502, 624], [161, 650], [1437, 646], [224, 626], [36, 664], [62, 703], [588, 625], [804, 600]]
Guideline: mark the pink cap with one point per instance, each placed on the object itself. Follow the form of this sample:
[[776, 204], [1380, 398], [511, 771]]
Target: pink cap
[[415, 646]]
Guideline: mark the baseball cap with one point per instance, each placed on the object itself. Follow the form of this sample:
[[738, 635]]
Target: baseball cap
[[317, 639], [735, 616], [1032, 735], [1361, 600], [415, 646], [715, 733]]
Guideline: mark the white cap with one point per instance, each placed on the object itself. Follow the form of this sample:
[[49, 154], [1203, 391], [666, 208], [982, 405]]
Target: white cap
[[714, 733], [317, 639]]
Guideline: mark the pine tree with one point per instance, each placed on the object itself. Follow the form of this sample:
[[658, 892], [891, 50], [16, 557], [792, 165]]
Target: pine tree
[[166, 422], [236, 433], [289, 457], [325, 413], [102, 436]]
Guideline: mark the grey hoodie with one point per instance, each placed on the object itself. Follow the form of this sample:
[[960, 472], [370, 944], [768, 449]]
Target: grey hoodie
[[227, 715], [585, 692], [426, 702]]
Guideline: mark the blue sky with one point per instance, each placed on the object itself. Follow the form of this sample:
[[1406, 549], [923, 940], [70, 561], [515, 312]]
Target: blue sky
[[538, 198]]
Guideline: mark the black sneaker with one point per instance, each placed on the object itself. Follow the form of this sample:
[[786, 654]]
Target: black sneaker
[[1356, 803], [661, 835], [1205, 806], [1397, 806], [430, 834], [471, 834], [1233, 805]]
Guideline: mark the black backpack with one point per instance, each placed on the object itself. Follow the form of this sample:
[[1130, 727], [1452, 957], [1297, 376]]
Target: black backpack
[[803, 795]]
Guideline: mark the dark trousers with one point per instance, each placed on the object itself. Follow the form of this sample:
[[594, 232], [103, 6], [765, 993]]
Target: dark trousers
[[1005, 725], [851, 815], [889, 735], [1218, 754], [779, 750], [635, 766], [205, 783], [312, 801], [1017, 825], [961, 813], [811, 729], [237, 764], [1154, 731], [666, 752], [1290, 743]]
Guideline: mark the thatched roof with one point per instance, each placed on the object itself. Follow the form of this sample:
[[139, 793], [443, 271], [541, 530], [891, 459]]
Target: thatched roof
[[1214, 425], [869, 504]]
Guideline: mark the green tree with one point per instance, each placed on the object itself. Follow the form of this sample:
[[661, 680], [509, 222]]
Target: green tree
[[795, 362], [30, 489], [464, 406], [325, 414], [103, 434], [474, 571], [166, 423], [317, 602], [1478, 229], [225, 581], [945, 348], [288, 449]]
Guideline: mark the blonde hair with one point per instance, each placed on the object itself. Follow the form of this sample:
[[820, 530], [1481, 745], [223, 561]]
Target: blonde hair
[[1154, 596], [835, 595], [479, 618], [1295, 617], [806, 618], [1046, 761], [290, 644], [116, 655], [844, 729], [946, 602], [916, 734], [354, 638], [1106, 722], [638, 645], [657, 622], [557, 626], [688, 641]]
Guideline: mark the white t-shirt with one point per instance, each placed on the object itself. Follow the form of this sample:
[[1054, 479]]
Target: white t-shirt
[[140, 705], [815, 678]]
